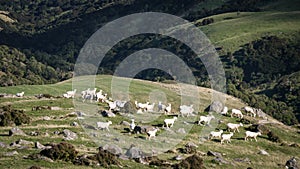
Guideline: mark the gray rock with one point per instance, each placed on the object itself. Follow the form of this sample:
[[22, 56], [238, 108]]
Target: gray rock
[[38, 145], [107, 113], [12, 153], [263, 152], [113, 149], [181, 130], [46, 118], [243, 160], [220, 160], [178, 157], [3, 145], [16, 132], [292, 163], [134, 152], [215, 154], [69, 135], [191, 144], [74, 124], [24, 142], [55, 108], [125, 123], [216, 106]]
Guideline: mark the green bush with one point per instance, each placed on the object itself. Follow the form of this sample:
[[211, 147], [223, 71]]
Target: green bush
[[9, 117], [273, 137]]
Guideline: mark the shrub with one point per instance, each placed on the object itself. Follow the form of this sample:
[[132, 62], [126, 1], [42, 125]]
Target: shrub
[[194, 161], [273, 137], [105, 158], [9, 116], [62, 151]]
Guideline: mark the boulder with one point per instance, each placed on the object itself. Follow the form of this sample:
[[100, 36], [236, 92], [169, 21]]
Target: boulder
[[69, 135], [16, 132], [134, 152], [181, 131], [24, 142], [125, 123], [3, 145], [215, 154], [106, 113], [243, 160], [46, 118], [12, 153], [220, 160], [216, 106], [263, 152], [113, 149], [74, 124], [292, 163]]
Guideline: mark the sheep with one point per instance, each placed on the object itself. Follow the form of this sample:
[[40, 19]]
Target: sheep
[[112, 105], [237, 113], [206, 119], [120, 103], [170, 121], [226, 137], [72, 93], [224, 111], [65, 95], [132, 124], [214, 134], [234, 127], [161, 106], [139, 111], [252, 135], [101, 97], [150, 107], [186, 110], [168, 109], [103, 125], [250, 110], [152, 133], [20, 94]]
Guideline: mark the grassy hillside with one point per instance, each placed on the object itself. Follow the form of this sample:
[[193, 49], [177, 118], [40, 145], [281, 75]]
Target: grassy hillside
[[232, 30], [139, 90]]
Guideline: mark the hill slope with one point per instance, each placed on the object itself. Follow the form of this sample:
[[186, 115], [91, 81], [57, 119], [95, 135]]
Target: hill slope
[[141, 90]]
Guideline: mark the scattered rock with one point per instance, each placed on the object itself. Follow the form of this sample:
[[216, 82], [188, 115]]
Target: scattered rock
[[292, 163], [215, 154], [216, 106], [3, 145], [125, 123], [75, 124], [178, 157], [69, 135], [16, 132], [46, 118], [39, 157], [83, 160], [294, 145], [24, 142], [220, 160], [263, 152], [134, 152], [87, 126], [34, 133], [12, 153], [113, 149], [55, 108], [189, 148], [243, 160], [181, 130], [38, 145], [106, 113]]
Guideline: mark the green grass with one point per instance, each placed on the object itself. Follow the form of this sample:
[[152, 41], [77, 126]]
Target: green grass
[[139, 90], [232, 31]]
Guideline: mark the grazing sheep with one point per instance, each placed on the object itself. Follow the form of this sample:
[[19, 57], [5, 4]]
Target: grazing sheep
[[186, 110], [103, 125], [206, 119], [252, 135], [65, 95], [132, 124], [72, 93], [161, 106], [112, 105], [20, 94], [150, 107], [101, 97], [224, 111], [234, 127], [139, 111], [120, 103], [141, 105], [170, 122], [237, 113], [152, 133], [250, 110], [215, 134], [226, 137], [168, 109]]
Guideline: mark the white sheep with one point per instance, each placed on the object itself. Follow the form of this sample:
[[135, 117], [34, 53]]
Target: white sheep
[[132, 124], [168, 109], [161, 106], [139, 111], [186, 110], [237, 113], [224, 111], [206, 119], [101, 97], [252, 135], [215, 134], [170, 122], [234, 127], [72, 93], [103, 125], [250, 110], [112, 105], [20, 94], [226, 137], [141, 105], [152, 133], [65, 95], [150, 107]]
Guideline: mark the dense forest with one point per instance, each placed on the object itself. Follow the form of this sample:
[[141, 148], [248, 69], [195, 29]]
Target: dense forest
[[42, 47]]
